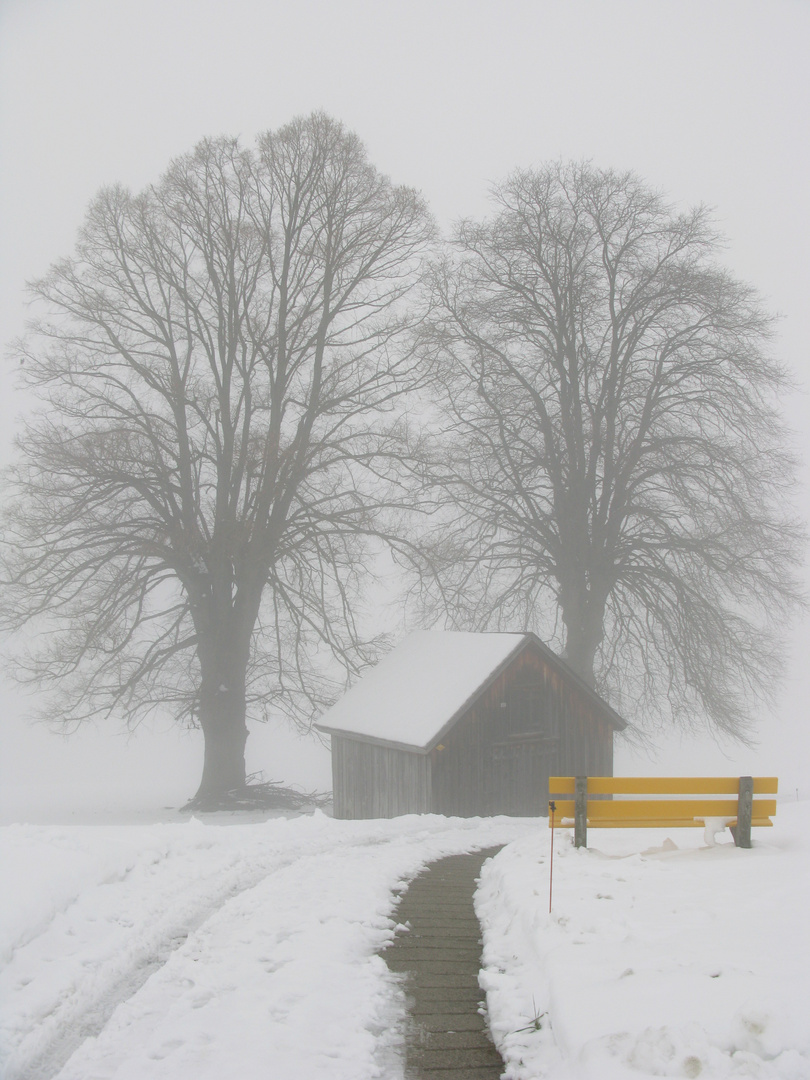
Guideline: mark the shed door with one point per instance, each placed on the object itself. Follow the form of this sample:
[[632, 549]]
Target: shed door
[[519, 769], [524, 752], [518, 775]]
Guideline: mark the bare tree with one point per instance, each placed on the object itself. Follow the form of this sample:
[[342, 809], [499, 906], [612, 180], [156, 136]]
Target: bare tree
[[219, 371], [615, 471]]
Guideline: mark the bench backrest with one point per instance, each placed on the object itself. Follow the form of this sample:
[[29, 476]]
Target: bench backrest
[[725, 797]]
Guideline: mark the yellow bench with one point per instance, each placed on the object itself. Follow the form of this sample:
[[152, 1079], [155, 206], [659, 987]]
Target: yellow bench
[[726, 801]]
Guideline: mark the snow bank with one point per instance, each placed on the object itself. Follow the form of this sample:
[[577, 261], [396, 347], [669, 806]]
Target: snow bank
[[662, 957]]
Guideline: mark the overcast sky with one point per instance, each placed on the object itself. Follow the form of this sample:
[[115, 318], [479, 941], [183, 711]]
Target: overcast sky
[[706, 99]]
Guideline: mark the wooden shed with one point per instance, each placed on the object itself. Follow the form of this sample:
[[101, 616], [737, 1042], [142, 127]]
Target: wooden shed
[[465, 724]]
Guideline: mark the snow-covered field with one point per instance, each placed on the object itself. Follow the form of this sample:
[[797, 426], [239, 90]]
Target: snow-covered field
[[208, 951], [662, 956]]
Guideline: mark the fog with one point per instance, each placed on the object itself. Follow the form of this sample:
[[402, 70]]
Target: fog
[[709, 102]]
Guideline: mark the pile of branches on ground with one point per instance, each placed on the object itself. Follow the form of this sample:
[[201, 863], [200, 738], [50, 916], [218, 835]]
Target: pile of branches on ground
[[262, 795]]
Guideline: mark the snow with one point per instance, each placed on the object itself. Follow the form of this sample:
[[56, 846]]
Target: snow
[[662, 956], [421, 685], [205, 950], [200, 951]]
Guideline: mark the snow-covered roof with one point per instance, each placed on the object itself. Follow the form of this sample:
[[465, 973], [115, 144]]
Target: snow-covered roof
[[416, 692]]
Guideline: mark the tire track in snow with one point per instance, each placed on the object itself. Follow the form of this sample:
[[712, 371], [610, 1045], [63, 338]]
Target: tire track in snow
[[73, 1021]]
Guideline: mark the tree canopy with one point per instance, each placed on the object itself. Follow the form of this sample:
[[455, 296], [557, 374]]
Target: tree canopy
[[614, 472], [222, 370], [218, 370]]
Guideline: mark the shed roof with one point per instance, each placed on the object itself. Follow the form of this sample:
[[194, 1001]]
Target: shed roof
[[417, 692]]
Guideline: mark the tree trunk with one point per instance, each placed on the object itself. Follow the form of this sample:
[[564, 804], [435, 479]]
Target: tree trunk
[[222, 716], [584, 631], [225, 734]]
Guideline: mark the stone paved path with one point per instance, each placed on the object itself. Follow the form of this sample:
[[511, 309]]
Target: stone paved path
[[441, 953]]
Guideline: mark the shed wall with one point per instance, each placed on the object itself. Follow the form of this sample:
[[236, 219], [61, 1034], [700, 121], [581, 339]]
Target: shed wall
[[486, 767], [371, 781]]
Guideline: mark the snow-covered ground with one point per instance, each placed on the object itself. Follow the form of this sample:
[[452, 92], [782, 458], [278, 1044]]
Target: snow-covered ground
[[204, 951], [662, 956], [196, 951]]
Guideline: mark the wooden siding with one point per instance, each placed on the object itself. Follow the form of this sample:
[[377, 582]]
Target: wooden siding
[[530, 723], [378, 781], [487, 767]]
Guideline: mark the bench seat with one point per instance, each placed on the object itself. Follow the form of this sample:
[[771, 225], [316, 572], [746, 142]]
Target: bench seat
[[618, 802]]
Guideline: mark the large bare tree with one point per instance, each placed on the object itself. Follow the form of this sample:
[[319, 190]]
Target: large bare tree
[[219, 367], [615, 472]]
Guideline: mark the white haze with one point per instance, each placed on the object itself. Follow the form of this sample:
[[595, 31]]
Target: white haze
[[707, 100]]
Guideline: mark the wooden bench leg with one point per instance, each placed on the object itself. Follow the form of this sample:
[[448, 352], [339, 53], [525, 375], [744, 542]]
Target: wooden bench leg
[[745, 804], [581, 812]]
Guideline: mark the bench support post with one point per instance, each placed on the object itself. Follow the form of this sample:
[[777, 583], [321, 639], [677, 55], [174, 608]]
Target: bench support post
[[581, 812], [745, 804]]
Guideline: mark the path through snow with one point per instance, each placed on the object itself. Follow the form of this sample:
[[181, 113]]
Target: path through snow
[[182, 951]]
